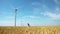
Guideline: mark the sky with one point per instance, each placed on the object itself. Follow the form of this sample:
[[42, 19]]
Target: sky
[[34, 12]]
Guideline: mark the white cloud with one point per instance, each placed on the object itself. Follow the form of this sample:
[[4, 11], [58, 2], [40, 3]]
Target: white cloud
[[57, 9], [57, 1], [34, 17], [42, 8], [9, 17], [36, 3], [30, 17], [52, 15], [36, 11]]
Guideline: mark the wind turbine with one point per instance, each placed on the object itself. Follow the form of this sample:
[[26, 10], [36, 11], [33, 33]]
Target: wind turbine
[[15, 13]]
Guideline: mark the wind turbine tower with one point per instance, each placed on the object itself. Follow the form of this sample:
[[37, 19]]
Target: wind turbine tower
[[15, 16]]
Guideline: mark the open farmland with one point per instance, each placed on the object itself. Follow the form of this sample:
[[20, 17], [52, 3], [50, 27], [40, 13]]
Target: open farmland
[[30, 30]]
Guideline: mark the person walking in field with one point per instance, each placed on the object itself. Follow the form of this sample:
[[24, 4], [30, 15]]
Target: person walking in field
[[28, 24]]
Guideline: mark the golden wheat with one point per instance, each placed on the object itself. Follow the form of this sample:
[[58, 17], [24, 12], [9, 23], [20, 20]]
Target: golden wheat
[[30, 30]]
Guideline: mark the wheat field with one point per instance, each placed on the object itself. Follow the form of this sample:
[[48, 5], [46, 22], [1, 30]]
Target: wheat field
[[30, 30]]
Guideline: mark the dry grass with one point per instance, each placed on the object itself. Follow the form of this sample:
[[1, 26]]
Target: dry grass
[[30, 30]]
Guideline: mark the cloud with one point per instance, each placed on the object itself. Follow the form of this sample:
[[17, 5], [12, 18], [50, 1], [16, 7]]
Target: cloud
[[52, 15], [57, 1], [9, 17], [34, 17], [44, 10], [30, 17], [40, 8], [58, 9], [37, 7], [36, 11], [36, 4]]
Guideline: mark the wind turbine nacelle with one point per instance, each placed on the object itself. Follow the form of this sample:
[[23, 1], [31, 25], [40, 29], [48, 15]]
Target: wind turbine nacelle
[[15, 10]]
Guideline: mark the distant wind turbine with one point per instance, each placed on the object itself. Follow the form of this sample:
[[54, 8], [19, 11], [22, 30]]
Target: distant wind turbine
[[15, 13]]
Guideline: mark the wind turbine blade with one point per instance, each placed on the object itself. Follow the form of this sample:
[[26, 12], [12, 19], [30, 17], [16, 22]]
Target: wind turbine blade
[[18, 7], [11, 6]]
